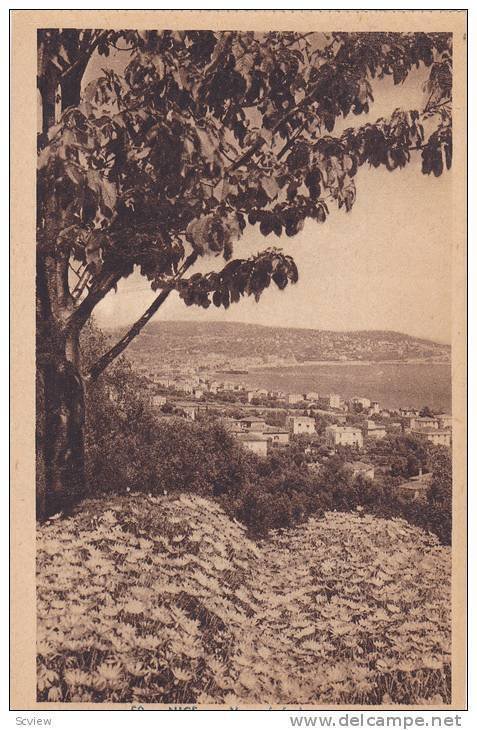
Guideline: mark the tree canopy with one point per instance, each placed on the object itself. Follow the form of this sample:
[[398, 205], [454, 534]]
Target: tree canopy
[[208, 132]]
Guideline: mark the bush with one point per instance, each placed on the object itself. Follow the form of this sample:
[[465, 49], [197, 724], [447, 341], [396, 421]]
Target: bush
[[434, 511], [199, 457], [120, 424], [437, 509], [404, 453], [282, 494]]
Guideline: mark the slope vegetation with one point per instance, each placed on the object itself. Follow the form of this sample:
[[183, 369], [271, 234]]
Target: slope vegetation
[[166, 600]]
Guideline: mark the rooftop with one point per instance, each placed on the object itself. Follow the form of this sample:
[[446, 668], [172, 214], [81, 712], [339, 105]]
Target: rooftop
[[413, 486], [431, 430], [251, 437], [359, 465], [342, 429]]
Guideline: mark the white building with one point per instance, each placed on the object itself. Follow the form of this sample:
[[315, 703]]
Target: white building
[[166, 382], [417, 486], [159, 400], [232, 425], [262, 393], [300, 424], [436, 436], [256, 425], [254, 442], [277, 435], [335, 400], [444, 420], [344, 436], [258, 393], [423, 423], [359, 401], [374, 430], [312, 395], [189, 410], [294, 398], [408, 412]]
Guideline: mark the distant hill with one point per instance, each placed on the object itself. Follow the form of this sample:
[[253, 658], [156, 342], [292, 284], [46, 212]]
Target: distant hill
[[239, 344]]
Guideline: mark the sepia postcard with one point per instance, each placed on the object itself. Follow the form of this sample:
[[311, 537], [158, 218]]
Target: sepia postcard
[[239, 377]]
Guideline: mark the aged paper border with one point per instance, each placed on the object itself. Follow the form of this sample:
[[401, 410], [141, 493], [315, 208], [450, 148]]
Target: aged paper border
[[23, 168]]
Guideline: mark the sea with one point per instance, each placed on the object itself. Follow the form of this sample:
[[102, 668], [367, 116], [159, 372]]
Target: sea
[[394, 385]]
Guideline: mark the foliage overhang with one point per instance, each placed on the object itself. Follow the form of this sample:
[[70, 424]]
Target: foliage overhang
[[206, 133]]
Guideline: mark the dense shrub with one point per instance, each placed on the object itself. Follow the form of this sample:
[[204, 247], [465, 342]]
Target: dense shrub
[[199, 457], [434, 513], [282, 494], [403, 453], [439, 498]]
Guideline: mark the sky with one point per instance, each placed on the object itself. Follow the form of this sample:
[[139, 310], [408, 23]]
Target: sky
[[384, 265]]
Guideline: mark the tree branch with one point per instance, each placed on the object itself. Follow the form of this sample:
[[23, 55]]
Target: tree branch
[[290, 142], [299, 38], [261, 141], [84, 310], [100, 365], [83, 59]]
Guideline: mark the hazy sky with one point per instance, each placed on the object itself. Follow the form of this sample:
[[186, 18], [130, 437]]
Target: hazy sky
[[384, 265]]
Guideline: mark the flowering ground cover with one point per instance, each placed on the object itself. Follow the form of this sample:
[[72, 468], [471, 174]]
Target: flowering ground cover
[[166, 600]]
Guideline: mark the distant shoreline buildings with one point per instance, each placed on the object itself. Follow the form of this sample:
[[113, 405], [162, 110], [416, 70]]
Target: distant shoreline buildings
[[356, 420]]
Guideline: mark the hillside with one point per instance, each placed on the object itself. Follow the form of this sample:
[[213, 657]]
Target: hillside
[[166, 600], [235, 343]]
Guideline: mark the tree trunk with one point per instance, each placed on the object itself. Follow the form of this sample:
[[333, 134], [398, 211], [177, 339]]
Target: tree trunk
[[64, 437], [47, 87], [60, 404], [71, 87], [63, 434], [60, 387]]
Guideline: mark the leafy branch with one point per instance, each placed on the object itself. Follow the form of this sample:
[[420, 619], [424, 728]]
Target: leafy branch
[[102, 363]]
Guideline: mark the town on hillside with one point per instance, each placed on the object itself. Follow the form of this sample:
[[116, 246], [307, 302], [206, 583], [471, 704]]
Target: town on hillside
[[319, 426], [229, 346]]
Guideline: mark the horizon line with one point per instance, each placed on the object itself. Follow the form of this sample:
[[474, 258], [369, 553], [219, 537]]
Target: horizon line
[[278, 326]]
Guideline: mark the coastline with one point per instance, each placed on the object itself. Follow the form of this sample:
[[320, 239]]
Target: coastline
[[266, 366], [396, 383]]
